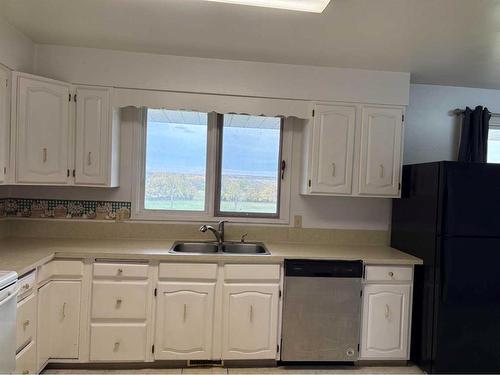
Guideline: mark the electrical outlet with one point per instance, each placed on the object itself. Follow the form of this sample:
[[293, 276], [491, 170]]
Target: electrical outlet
[[297, 221]]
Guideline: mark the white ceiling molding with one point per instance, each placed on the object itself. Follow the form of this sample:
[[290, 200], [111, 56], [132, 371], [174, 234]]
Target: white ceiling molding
[[314, 6], [211, 103]]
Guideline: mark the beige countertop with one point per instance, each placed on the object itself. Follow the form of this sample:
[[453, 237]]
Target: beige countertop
[[23, 255]]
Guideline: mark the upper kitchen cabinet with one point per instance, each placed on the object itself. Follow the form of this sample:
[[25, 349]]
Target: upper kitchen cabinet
[[4, 122], [332, 149], [63, 135], [97, 138], [353, 150], [42, 139], [381, 145]]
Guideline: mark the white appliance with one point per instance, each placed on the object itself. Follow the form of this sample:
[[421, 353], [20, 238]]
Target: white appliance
[[8, 306]]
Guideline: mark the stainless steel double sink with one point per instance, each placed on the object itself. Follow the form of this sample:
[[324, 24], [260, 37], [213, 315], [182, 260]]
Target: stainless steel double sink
[[252, 248]]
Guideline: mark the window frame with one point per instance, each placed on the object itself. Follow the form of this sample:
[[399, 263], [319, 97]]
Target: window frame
[[494, 124], [139, 168], [218, 177]]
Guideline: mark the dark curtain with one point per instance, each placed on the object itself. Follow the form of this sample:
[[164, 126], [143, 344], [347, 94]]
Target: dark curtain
[[474, 138]]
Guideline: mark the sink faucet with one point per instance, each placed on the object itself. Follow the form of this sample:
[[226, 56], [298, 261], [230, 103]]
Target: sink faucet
[[218, 233]]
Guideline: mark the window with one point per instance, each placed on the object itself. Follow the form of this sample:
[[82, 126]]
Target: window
[[249, 166], [494, 140], [176, 159], [202, 166]]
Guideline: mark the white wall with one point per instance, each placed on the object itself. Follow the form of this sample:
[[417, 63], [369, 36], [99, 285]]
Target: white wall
[[135, 70], [432, 133], [189, 74], [16, 49]]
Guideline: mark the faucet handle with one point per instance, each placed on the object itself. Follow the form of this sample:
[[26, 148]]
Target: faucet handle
[[242, 240]]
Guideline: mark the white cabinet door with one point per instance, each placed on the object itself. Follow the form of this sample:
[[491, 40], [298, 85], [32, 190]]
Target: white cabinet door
[[184, 320], [4, 122], [93, 131], [381, 145], [250, 321], [43, 129], [385, 327], [59, 320], [332, 149]]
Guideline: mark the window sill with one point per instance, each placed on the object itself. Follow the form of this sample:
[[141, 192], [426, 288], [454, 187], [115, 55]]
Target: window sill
[[202, 218]]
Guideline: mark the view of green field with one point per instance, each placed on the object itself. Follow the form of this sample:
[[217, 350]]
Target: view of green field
[[184, 192]]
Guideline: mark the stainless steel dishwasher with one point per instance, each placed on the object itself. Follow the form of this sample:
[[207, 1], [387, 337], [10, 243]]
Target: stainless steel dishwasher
[[321, 311]]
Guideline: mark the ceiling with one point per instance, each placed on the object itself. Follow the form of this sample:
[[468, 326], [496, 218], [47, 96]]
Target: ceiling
[[452, 42]]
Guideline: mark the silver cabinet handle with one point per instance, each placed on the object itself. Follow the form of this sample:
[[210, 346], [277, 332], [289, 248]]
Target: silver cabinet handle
[[184, 314], [333, 169], [120, 271], [251, 313], [44, 154], [116, 346], [391, 274], [64, 310], [89, 158], [381, 171], [387, 312], [118, 303], [26, 323]]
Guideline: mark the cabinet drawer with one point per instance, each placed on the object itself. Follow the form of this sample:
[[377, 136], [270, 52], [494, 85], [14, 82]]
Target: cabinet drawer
[[61, 268], [26, 320], [198, 271], [388, 273], [118, 342], [26, 360], [121, 271], [26, 284], [242, 272], [119, 300]]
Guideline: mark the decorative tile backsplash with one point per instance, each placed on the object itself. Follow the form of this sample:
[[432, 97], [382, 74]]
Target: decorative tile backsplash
[[65, 209]]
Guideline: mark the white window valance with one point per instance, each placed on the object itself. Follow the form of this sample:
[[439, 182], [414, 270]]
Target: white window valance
[[211, 103]]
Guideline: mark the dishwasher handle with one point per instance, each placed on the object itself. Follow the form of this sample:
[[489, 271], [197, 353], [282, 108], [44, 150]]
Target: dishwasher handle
[[324, 268]]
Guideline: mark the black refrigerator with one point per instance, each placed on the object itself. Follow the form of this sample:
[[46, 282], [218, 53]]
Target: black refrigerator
[[449, 216]]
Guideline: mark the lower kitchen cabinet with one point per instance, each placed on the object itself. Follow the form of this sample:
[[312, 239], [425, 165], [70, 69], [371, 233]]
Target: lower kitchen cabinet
[[59, 320], [386, 321], [26, 360], [118, 342], [184, 320], [250, 321], [26, 321]]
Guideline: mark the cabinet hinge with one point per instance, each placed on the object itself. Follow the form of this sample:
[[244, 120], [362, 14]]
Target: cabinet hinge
[[313, 112], [152, 349], [156, 291]]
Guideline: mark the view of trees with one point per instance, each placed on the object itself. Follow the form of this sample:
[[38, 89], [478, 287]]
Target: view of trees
[[172, 187], [186, 191]]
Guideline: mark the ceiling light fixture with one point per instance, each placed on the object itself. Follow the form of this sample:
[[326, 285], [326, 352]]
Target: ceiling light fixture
[[315, 6]]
